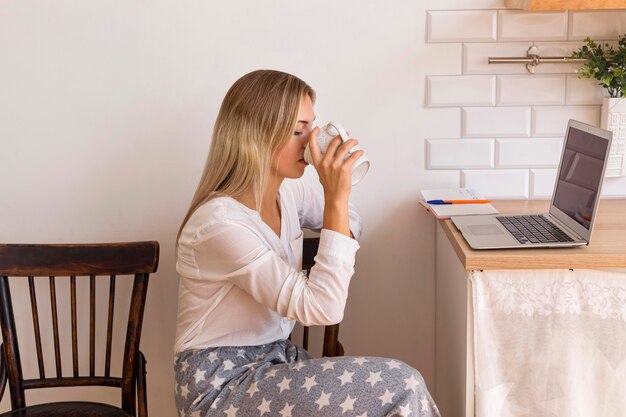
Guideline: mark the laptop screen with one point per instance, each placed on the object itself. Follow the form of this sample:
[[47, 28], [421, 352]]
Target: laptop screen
[[580, 175]]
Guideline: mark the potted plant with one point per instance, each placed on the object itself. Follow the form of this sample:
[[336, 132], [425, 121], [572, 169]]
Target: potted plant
[[604, 63], [607, 64]]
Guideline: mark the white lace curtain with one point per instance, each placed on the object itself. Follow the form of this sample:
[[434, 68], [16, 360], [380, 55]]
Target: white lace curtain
[[549, 343]]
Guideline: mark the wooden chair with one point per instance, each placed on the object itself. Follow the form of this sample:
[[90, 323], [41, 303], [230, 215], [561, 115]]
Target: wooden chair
[[89, 262], [331, 345]]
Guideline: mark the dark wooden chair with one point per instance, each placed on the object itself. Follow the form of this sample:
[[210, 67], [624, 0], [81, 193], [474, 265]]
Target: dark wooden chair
[[331, 345], [88, 262]]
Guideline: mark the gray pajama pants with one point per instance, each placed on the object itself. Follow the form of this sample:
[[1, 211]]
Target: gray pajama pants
[[280, 379]]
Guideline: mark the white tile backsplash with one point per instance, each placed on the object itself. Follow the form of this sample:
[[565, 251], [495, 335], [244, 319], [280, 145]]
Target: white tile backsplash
[[583, 91], [497, 127], [496, 121], [476, 57], [516, 25], [461, 25], [469, 90], [552, 120], [542, 183], [614, 187], [497, 183], [459, 153], [443, 58], [605, 24], [531, 89], [528, 152]]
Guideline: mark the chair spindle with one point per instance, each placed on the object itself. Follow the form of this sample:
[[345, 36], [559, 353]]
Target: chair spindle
[[107, 364], [55, 326], [35, 313], [305, 338], [92, 325], [74, 326]]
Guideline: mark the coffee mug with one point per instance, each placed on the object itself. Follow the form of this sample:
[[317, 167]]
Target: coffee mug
[[325, 135]]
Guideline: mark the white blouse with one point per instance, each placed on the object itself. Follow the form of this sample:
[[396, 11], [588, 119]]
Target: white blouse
[[242, 285]]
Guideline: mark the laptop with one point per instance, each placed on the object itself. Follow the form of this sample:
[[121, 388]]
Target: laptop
[[574, 204]]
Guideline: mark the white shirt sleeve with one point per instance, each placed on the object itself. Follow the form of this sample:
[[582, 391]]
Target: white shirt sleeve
[[233, 252], [310, 202]]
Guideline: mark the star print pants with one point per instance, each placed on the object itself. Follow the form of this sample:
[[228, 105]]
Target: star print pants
[[280, 379]]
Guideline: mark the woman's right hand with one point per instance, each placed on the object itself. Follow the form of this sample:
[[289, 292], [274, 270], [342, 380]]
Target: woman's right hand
[[335, 175]]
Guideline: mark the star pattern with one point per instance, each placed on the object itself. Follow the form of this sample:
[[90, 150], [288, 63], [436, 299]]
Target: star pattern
[[323, 400], [424, 402], [184, 390], [198, 376], [265, 406], [184, 366], [387, 397], [405, 410], [412, 383], [284, 384], [309, 382], [346, 377], [359, 378], [228, 365], [374, 378], [217, 381], [348, 404], [286, 411], [232, 411], [253, 389]]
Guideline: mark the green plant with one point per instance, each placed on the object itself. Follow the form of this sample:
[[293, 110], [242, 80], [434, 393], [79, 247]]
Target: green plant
[[604, 63]]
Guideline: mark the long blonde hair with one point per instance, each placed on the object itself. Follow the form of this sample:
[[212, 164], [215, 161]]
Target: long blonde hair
[[257, 118]]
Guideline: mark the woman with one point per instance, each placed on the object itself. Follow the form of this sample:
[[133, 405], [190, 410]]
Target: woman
[[239, 257]]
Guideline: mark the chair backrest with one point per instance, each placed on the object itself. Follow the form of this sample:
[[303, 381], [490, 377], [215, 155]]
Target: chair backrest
[[331, 345], [90, 262]]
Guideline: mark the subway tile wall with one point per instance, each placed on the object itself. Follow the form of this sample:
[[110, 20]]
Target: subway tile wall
[[498, 126]]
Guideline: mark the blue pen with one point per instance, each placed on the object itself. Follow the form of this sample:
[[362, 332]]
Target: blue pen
[[458, 201]]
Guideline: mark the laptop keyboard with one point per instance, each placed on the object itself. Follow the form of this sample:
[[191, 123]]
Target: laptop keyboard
[[533, 229]]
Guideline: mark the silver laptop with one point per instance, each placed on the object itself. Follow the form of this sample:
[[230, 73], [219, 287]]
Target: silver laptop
[[574, 204]]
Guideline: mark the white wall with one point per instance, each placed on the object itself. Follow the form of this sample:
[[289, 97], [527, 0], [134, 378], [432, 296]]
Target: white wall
[[106, 109]]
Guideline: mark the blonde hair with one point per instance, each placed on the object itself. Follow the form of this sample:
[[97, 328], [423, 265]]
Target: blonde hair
[[257, 118]]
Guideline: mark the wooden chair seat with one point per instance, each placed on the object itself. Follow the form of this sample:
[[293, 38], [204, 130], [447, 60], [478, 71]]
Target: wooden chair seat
[[68, 409]]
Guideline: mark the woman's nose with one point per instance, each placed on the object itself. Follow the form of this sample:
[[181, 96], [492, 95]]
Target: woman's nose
[[305, 140]]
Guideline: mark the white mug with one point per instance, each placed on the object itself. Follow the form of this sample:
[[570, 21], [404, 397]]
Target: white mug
[[325, 135]]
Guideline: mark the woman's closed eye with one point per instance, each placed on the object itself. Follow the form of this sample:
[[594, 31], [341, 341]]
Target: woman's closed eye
[[299, 133]]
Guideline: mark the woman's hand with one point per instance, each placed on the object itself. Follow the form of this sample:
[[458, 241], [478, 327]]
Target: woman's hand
[[335, 174]]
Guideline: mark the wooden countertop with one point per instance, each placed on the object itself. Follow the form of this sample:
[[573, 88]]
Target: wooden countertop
[[606, 250]]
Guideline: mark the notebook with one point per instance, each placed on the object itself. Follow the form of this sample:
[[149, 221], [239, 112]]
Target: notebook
[[574, 204], [445, 211]]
